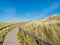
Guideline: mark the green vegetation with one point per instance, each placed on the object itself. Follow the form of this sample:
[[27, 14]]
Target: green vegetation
[[47, 29]]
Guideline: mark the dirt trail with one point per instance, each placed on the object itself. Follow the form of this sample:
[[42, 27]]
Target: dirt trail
[[11, 38]]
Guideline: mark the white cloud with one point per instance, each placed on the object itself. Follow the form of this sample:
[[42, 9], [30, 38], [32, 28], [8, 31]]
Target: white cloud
[[10, 14], [53, 7], [38, 15], [49, 9]]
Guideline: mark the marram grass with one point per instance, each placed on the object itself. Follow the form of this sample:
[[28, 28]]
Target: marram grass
[[47, 30]]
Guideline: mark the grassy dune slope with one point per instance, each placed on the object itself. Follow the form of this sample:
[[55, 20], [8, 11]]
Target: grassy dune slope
[[3, 24], [47, 29]]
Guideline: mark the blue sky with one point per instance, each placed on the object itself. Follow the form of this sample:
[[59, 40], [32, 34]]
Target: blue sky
[[13, 10]]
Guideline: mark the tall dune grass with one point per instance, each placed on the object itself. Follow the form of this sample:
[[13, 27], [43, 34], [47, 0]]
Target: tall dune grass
[[47, 30]]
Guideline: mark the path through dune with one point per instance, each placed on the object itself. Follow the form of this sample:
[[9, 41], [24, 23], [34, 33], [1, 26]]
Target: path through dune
[[11, 38]]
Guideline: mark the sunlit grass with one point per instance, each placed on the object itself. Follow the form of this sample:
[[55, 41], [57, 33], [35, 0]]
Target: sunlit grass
[[47, 30]]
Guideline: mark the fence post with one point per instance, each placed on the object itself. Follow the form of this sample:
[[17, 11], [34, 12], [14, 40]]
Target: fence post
[[25, 38], [37, 42]]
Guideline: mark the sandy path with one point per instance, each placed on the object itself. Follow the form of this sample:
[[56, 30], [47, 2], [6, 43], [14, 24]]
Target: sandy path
[[11, 38]]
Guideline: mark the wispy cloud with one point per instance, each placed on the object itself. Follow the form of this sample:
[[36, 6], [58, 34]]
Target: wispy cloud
[[53, 7], [38, 15], [49, 9], [10, 14]]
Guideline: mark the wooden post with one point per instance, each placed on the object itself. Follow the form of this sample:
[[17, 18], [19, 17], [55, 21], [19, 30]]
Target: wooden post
[[25, 38]]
